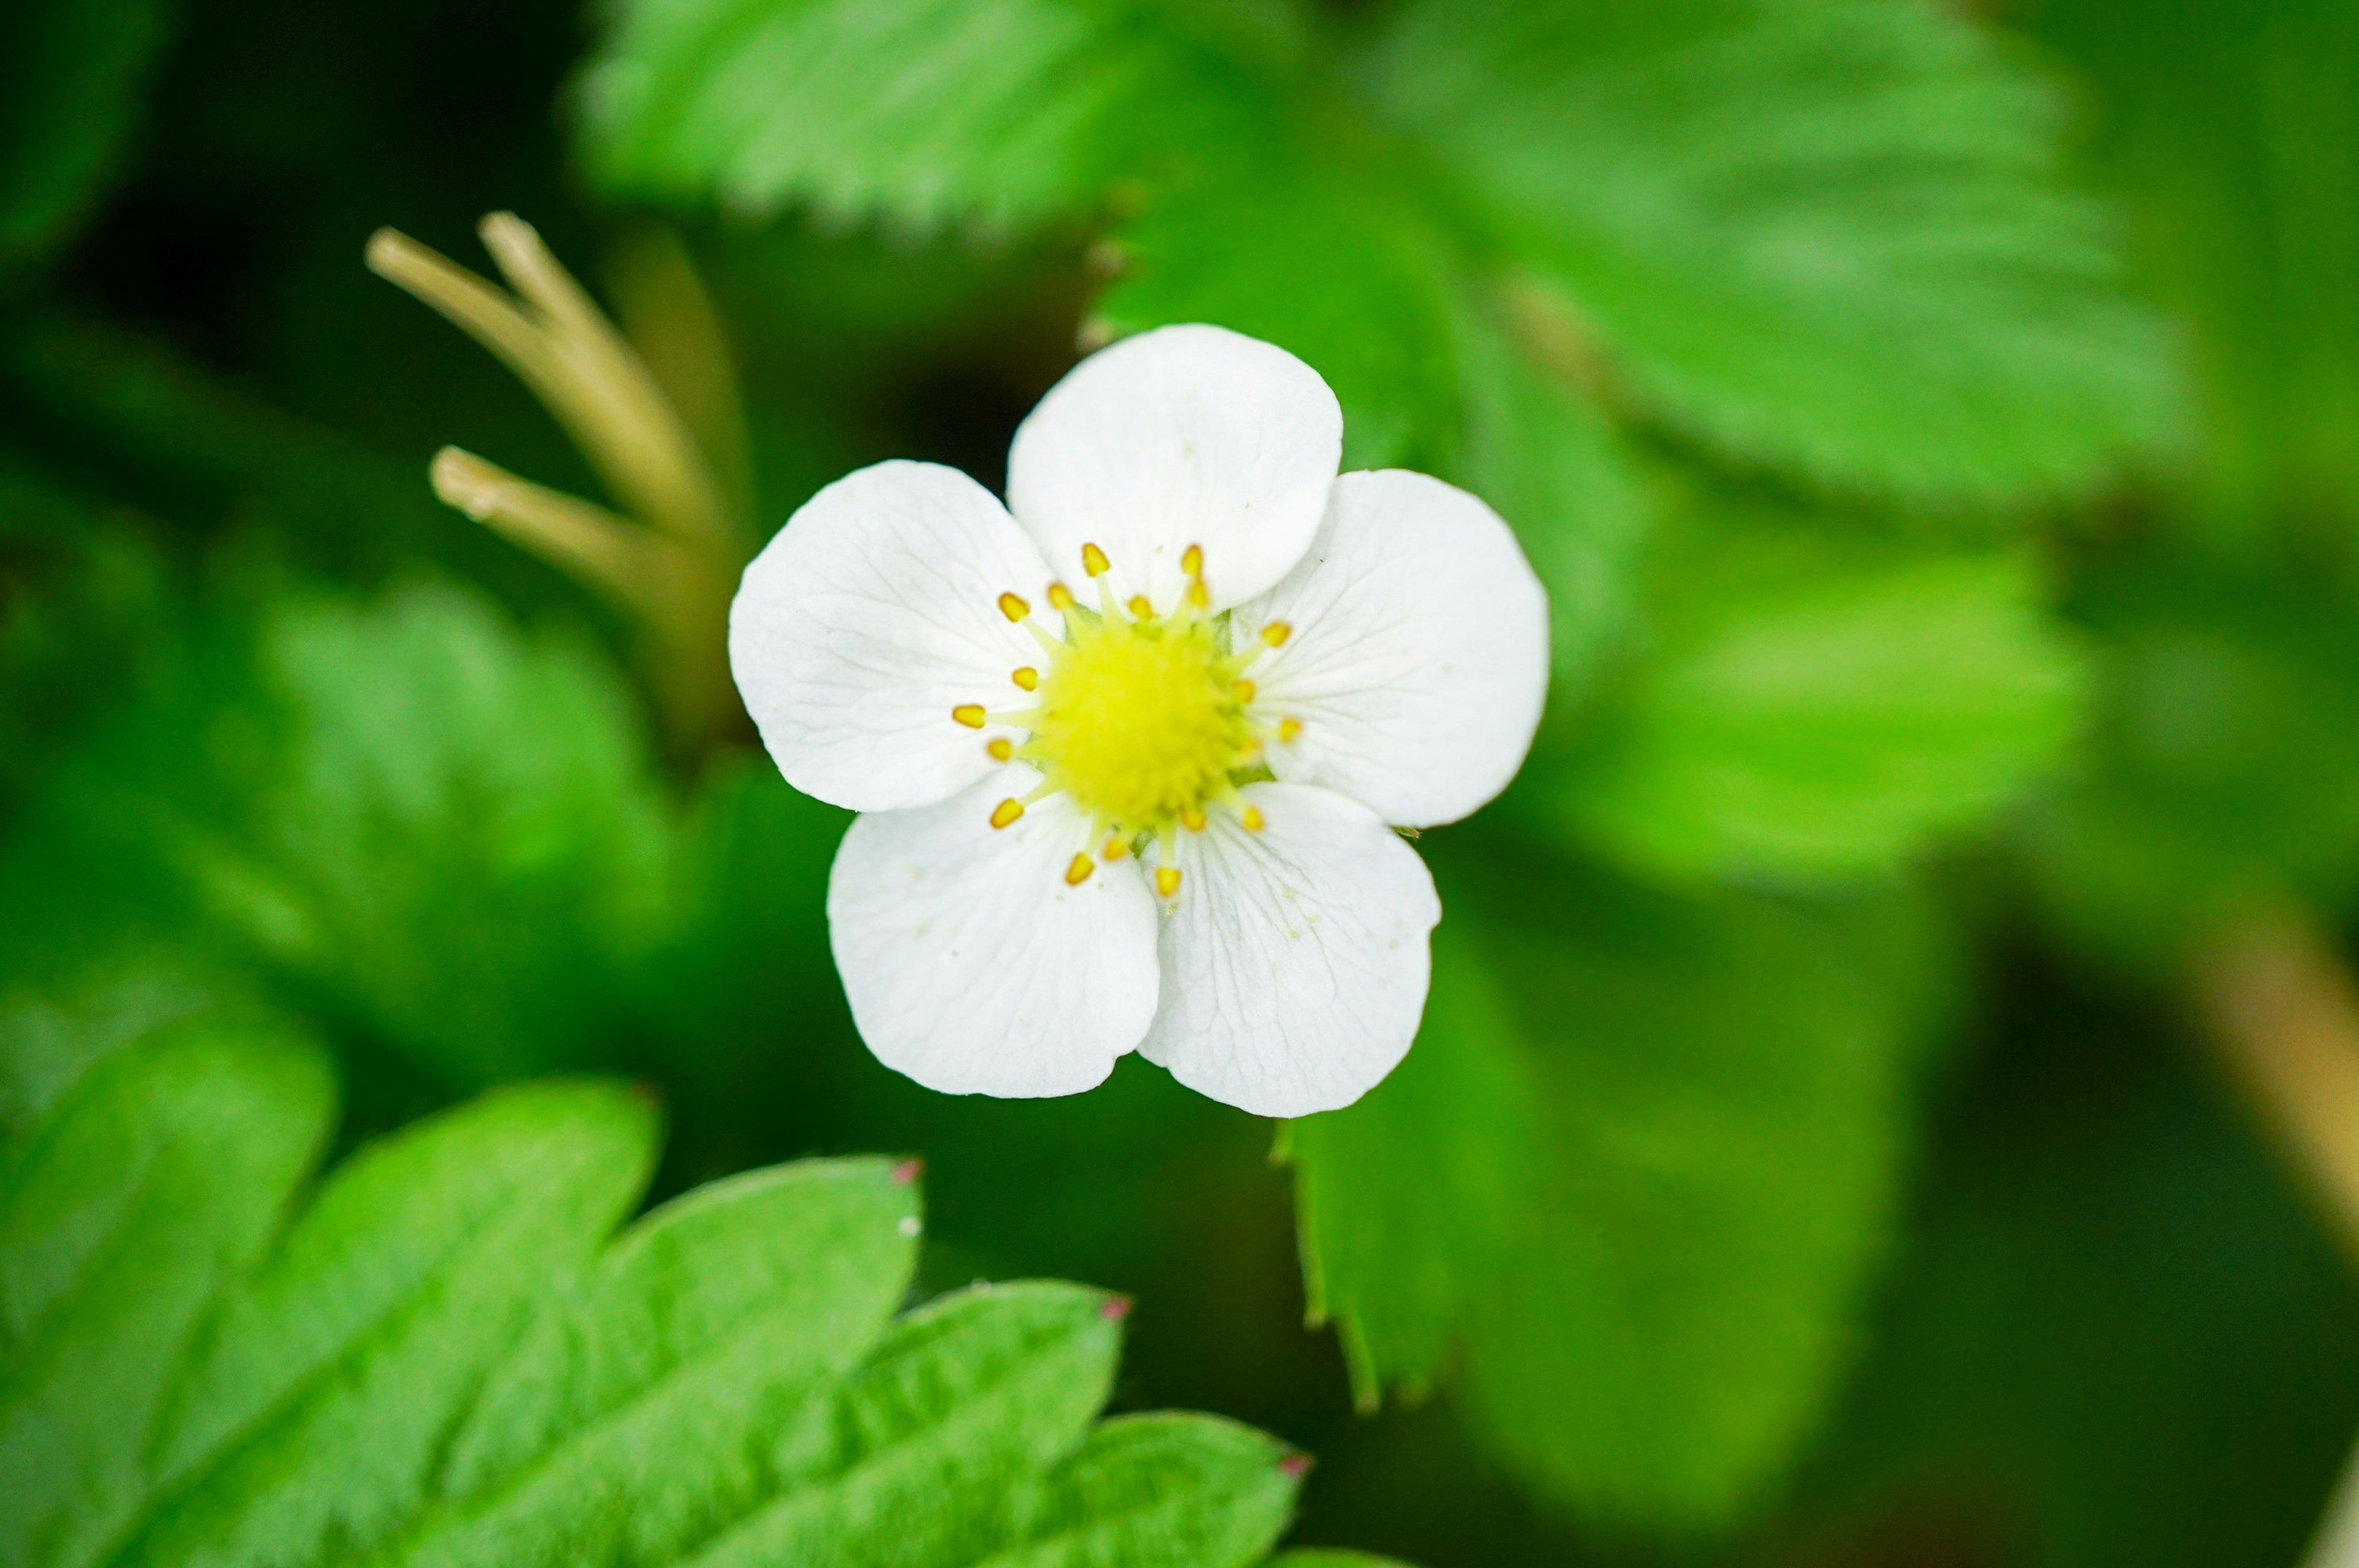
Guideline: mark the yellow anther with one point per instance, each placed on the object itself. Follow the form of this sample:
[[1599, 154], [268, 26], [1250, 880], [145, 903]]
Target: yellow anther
[[1027, 677], [1014, 607], [1288, 729], [1167, 880], [1006, 811], [1114, 850], [968, 714], [1243, 690], [1192, 562], [1059, 597], [1001, 748], [1094, 561], [1251, 819], [1079, 872], [1192, 819], [1141, 606], [1199, 595], [1276, 633]]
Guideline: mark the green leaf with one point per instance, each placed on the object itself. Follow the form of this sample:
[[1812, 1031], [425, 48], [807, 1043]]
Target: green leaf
[[122, 1215], [1824, 235], [446, 1359], [2120, 1335], [2232, 131], [1551, 464], [1324, 261], [72, 74], [2224, 741], [1815, 706], [1005, 112], [1634, 1171], [442, 832], [319, 1407], [467, 830]]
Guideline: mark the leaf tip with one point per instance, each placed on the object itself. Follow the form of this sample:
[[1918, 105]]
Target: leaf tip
[[1113, 1309], [1294, 1465], [907, 1171]]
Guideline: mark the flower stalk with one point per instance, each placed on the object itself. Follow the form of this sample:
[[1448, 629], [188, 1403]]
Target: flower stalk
[[672, 556]]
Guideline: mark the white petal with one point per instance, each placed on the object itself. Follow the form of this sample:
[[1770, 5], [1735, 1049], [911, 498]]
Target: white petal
[[1294, 958], [873, 614], [1418, 662], [1178, 436], [971, 965]]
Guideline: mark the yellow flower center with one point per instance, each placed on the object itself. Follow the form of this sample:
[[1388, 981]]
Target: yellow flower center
[[1137, 720], [1144, 719]]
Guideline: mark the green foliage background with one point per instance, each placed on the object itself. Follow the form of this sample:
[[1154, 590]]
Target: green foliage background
[[1935, 431]]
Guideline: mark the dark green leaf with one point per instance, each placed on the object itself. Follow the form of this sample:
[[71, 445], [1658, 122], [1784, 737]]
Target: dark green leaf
[[1637, 1165], [72, 74], [2226, 737]]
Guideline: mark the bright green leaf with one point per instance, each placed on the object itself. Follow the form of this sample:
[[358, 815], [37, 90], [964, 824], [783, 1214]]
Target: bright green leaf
[[1636, 1170], [122, 1215], [319, 1405], [1816, 710], [446, 1358], [1005, 112], [1826, 235]]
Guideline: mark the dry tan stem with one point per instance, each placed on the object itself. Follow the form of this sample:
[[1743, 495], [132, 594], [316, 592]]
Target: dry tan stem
[[2285, 1015]]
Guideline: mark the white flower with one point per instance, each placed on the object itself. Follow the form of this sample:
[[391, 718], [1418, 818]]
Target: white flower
[[1128, 755]]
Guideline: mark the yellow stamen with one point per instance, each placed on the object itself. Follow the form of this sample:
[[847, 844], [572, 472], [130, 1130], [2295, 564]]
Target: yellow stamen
[[968, 714], [1141, 606], [1059, 597], [1167, 880], [1006, 811], [1276, 633], [1243, 690], [1192, 562], [1199, 595], [1192, 819], [1093, 560], [1114, 850], [1014, 607], [1288, 729], [1251, 819], [1079, 872], [1001, 748], [1027, 677]]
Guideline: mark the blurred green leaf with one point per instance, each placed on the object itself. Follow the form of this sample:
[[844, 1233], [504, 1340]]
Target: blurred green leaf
[[444, 1358], [1323, 260], [1553, 466], [1815, 705], [2232, 128], [2225, 742], [1000, 112], [423, 825], [2118, 1338], [1635, 1169], [73, 75], [1824, 235]]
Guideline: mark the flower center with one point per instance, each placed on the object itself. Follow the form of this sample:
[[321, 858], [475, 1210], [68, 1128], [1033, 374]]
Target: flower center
[[1143, 719], [1140, 719]]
